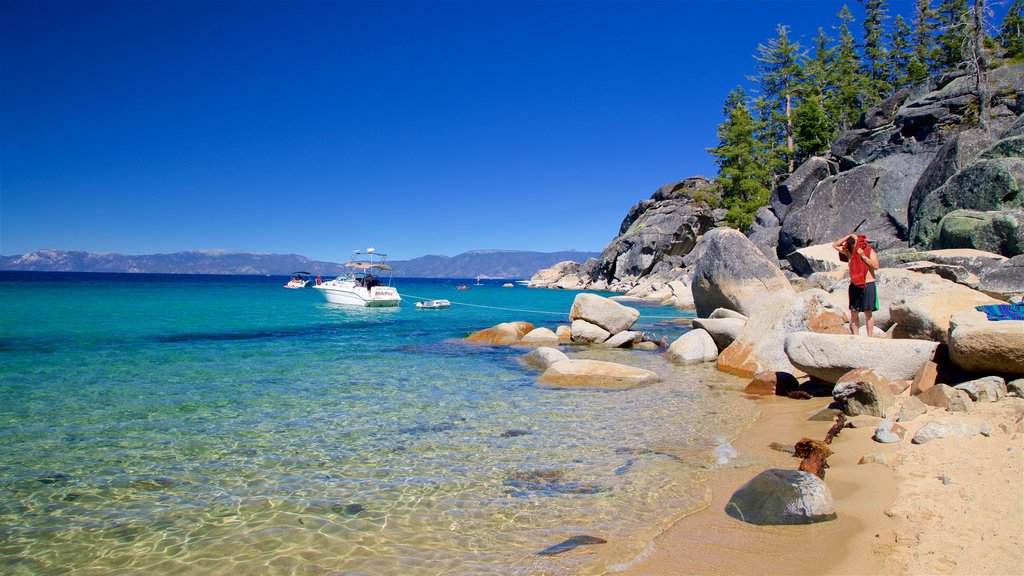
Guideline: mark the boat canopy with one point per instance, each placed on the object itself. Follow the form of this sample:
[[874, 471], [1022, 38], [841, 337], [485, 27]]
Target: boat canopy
[[365, 265]]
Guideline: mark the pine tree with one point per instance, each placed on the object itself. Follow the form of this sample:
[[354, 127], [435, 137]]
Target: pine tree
[[814, 131], [743, 177], [876, 58], [778, 75], [845, 107], [953, 17], [921, 64], [900, 54], [814, 128], [1011, 35]]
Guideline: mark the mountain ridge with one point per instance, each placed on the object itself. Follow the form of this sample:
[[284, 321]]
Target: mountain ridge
[[483, 263]]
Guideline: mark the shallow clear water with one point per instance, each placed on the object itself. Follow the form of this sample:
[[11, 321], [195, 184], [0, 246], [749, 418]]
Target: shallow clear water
[[224, 425]]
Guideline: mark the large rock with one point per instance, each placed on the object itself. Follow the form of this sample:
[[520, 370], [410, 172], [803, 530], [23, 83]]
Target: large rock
[[724, 331], [539, 337], [830, 356], [985, 185], [732, 273], [926, 316], [817, 258], [951, 426], [990, 388], [595, 374], [665, 226], [999, 231], [584, 332], [761, 344], [794, 192], [782, 497], [861, 391], [543, 357], [557, 276], [694, 347], [870, 199], [503, 334], [894, 286], [1005, 280], [603, 312], [979, 345]]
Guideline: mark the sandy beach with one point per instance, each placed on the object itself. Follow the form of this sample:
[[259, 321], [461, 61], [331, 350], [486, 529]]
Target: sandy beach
[[952, 506]]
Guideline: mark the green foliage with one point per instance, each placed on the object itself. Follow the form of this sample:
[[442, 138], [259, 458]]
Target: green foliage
[[813, 128], [1011, 35], [806, 98], [778, 76], [953, 32], [743, 178]]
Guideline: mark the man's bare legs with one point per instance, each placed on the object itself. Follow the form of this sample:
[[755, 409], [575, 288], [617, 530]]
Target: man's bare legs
[[870, 323], [854, 322]]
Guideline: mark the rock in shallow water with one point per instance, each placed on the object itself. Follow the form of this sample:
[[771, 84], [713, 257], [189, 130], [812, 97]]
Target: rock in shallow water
[[571, 544]]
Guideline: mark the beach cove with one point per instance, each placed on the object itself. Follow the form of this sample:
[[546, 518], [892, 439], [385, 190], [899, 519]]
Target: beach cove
[[200, 424]]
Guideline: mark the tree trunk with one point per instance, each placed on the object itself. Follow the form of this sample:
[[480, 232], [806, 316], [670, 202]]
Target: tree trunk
[[980, 63], [789, 134]]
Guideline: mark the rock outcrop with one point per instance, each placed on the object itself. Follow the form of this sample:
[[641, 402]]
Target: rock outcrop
[[829, 356], [732, 273]]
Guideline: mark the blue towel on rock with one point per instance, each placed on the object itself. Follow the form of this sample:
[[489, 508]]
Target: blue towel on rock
[[1003, 311]]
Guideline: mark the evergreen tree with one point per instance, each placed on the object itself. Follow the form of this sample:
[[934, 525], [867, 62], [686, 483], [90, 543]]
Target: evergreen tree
[[921, 64], [814, 130], [900, 54], [845, 107], [876, 57], [743, 178], [953, 17], [813, 126], [1011, 35], [778, 74]]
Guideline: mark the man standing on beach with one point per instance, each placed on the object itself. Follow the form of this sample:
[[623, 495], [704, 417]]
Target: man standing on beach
[[863, 296]]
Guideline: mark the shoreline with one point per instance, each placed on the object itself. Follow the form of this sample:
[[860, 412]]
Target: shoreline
[[953, 506], [729, 546]]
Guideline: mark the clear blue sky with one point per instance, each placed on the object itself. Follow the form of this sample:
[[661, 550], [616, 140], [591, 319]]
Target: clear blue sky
[[318, 127]]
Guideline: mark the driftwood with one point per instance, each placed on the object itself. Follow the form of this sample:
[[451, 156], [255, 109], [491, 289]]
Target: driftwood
[[836, 428], [815, 452]]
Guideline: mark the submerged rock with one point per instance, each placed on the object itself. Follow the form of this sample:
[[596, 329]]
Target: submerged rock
[[595, 374], [571, 544]]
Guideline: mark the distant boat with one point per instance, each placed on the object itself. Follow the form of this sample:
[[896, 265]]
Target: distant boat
[[360, 287], [434, 304], [462, 287], [299, 280]]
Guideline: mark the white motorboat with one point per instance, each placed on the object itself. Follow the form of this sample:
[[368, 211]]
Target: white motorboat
[[299, 280], [362, 286], [434, 304]]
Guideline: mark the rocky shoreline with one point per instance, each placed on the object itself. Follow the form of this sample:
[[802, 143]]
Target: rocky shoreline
[[937, 372]]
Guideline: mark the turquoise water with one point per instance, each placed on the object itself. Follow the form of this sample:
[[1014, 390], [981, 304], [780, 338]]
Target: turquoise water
[[224, 425]]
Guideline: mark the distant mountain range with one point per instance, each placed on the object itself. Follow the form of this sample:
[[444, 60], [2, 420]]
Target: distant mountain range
[[482, 263]]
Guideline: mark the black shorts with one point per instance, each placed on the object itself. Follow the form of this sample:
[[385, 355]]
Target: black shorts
[[863, 299]]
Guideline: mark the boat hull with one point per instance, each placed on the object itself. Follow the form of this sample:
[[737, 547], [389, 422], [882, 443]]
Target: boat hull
[[350, 295]]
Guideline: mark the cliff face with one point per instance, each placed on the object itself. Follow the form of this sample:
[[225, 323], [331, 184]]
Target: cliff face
[[653, 239], [918, 171], [911, 161]]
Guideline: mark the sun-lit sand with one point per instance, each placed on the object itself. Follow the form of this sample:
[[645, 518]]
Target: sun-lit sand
[[952, 506]]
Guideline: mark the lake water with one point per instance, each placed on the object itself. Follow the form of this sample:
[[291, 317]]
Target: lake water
[[224, 425]]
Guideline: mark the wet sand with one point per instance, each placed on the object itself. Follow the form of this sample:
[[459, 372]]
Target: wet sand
[[952, 506], [710, 542]]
